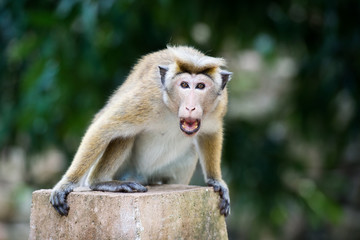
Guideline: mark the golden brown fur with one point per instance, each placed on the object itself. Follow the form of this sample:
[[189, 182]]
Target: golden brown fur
[[136, 136]]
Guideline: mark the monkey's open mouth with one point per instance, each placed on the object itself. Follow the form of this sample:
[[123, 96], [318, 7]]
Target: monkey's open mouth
[[189, 126]]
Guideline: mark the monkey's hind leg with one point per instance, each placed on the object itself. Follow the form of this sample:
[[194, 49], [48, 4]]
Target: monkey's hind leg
[[101, 176]]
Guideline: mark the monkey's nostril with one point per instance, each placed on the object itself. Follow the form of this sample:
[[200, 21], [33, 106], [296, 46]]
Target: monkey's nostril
[[190, 110]]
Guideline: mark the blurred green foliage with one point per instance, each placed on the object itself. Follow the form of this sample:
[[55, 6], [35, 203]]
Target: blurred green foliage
[[60, 60]]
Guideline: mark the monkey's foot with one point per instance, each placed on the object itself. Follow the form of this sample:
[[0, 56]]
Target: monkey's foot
[[222, 189], [118, 186], [58, 199]]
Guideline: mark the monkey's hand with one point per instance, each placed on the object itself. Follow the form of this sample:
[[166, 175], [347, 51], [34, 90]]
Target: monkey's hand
[[118, 186], [58, 197], [222, 189]]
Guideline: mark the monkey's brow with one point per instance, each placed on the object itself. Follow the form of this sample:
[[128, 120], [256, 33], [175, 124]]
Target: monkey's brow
[[206, 73], [181, 72], [202, 72]]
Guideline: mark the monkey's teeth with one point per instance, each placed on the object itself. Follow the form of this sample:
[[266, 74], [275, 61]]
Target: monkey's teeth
[[189, 126]]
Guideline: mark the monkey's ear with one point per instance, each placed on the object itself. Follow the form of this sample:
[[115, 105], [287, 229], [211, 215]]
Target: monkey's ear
[[163, 70], [225, 77]]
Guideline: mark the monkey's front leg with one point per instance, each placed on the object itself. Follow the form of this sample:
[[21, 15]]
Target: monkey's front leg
[[94, 143], [91, 147], [101, 176], [210, 155]]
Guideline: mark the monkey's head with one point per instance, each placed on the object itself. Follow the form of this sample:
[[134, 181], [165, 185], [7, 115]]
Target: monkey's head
[[193, 85]]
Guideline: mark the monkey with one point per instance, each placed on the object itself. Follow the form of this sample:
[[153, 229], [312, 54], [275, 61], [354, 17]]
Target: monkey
[[165, 117]]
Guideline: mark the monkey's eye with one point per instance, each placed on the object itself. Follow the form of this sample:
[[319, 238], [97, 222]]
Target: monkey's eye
[[200, 86], [184, 85]]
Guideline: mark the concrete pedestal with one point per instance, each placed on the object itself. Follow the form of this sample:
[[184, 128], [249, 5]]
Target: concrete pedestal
[[164, 212]]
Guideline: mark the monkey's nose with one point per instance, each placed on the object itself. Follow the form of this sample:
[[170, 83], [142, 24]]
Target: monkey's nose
[[190, 109]]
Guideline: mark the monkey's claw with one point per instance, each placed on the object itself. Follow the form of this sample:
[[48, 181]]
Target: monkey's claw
[[222, 189], [58, 200]]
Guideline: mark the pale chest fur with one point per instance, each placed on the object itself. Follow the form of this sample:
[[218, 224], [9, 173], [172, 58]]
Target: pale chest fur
[[163, 149], [163, 144]]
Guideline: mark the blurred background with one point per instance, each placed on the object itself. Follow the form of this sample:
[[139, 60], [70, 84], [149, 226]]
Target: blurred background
[[292, 144]]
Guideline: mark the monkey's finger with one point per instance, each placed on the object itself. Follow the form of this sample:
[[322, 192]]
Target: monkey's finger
[[225, 211], [57, 206], [125, 188], [54, 200], [224, 207], [137, 187], [62, 209], [217, 188], [224, 204], [224, 192], [59, 210]]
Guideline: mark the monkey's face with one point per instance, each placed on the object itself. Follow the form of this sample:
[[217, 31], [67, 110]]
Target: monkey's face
[[191, 96]]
